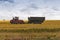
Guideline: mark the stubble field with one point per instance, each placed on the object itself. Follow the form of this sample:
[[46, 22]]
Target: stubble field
[[49, 30]]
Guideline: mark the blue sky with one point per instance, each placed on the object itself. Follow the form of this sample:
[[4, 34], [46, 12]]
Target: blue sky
[[26, 8]]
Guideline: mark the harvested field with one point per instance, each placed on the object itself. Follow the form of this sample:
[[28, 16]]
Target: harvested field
[[49, 30], [47, 24]]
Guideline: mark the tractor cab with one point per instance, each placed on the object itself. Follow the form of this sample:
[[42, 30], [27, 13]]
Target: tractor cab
[[15, 18]]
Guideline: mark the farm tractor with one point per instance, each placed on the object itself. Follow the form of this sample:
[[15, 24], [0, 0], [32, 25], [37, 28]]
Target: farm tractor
[[16, 20], [34, 20]]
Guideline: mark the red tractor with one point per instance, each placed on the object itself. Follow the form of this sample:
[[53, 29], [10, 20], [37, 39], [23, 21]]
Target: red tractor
[[16, 20]]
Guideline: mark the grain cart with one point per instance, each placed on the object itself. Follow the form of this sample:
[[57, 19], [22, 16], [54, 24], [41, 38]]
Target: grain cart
[[36, 20], [16, 20]]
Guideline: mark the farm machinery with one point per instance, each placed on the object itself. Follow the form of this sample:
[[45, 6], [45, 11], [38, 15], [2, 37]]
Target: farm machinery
[[34, 20], [16, 20]]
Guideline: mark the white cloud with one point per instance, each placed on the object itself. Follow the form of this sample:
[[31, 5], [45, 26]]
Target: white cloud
[[26, 8]]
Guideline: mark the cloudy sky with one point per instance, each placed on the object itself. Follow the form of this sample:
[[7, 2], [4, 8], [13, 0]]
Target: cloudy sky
[[26, 8]]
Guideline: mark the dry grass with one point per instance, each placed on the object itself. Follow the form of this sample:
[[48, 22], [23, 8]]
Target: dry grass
[[30, 36], [48, 24]]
